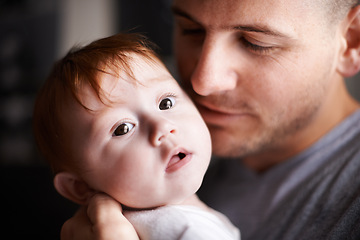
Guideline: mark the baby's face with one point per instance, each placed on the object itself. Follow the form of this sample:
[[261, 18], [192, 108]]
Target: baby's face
[[150, 147]]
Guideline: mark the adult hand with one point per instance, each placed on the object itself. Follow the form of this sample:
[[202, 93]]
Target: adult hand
[[101, 219]]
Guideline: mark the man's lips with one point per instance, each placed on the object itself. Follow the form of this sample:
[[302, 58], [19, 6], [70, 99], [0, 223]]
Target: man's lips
[[220, 115], [177, 160], [222, 108]]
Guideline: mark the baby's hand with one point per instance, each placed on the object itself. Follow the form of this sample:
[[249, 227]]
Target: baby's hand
[[102, 219]]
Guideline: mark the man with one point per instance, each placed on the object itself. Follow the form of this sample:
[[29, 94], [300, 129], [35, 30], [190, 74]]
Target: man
[[268, 78]]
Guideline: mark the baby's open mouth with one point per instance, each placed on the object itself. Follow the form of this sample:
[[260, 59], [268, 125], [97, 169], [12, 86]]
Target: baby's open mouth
[[177, 161], [181, 155]]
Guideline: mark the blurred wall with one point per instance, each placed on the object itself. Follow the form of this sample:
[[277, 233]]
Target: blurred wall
[[82, 21]]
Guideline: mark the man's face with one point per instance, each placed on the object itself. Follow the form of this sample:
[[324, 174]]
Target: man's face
[[260, 72]]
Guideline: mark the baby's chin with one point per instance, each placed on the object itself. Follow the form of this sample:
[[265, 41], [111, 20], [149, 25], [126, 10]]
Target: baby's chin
[[139, 207], [188, 200]]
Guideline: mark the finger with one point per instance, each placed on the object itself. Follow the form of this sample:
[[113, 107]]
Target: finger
[[107, 219], [102, 208], [78, 227]]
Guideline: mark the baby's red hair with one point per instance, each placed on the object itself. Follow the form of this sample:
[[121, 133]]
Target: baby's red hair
[[66, 80]]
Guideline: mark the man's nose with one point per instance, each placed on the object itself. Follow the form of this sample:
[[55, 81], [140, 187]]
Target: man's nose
[[215, 70], [161, 130]]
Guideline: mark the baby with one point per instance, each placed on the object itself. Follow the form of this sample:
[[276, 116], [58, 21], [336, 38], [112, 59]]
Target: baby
[[111, 119]]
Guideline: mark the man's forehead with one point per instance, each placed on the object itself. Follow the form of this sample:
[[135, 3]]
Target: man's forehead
[[277, 16]]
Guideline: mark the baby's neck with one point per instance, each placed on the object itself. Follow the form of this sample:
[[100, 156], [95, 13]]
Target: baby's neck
[[194, 200]]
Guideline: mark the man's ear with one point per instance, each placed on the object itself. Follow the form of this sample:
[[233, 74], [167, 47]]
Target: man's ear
[[72, 187], [349, 63]]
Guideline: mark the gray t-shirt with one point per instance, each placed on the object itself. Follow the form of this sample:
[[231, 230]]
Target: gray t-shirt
[[314, 195]]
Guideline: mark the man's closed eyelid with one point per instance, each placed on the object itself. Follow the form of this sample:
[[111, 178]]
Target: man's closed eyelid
[[254, 47]]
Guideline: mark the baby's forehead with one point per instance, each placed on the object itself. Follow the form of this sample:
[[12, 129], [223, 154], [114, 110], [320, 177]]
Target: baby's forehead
[[114, 80], [139, 71]]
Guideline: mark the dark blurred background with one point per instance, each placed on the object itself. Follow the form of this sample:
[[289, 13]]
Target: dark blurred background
[[33, 34]]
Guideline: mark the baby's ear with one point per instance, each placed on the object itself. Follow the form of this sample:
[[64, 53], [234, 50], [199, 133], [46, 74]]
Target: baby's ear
[[72, 187]]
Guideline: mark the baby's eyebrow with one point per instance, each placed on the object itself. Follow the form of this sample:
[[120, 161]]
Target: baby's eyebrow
[[158, 79]]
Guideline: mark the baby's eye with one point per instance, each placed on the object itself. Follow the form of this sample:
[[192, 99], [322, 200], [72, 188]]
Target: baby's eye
[[123, 129], [167, 103]]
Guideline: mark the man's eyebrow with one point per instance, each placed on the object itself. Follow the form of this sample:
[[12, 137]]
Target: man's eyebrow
[[260, 29]]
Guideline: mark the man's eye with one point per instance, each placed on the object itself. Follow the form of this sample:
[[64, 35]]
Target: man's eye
[[123, 129], [256, 48], [167, 103]]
